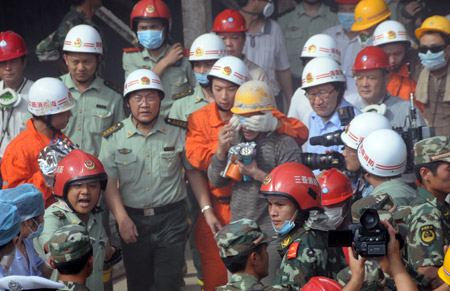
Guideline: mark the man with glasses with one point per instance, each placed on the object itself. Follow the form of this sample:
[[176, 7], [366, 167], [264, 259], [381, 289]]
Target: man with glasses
[[324, 83], [371, 71], [433, 85]]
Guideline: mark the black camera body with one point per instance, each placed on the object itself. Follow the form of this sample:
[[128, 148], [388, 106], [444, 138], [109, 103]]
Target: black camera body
[[323, 161], [369, 237]]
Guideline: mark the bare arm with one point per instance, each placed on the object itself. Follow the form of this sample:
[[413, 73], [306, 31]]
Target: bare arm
[[173, 55], [285, 79], [358, 272]]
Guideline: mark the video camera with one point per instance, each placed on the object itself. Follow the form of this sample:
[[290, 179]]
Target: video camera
[[369, 237], [413, 134], [334, 159]]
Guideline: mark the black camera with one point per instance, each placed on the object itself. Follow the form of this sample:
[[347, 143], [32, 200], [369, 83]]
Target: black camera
[[323, 161], [369, 237]]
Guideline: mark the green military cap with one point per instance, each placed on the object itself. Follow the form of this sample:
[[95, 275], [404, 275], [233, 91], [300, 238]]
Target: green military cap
[[238, 237], [432, 149], [69, 243]]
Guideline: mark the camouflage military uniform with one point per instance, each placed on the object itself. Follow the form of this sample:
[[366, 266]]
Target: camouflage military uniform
[[306, 255], [67, 244], [240, 237]]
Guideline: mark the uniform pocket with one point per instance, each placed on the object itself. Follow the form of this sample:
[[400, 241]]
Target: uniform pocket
[[126, 165], [101, 121], [170, 163]]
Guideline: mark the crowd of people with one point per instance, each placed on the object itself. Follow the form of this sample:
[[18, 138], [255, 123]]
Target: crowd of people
[[254, 146]]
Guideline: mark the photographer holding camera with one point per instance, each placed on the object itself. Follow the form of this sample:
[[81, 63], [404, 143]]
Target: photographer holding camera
[[383, 168], [429, 222]]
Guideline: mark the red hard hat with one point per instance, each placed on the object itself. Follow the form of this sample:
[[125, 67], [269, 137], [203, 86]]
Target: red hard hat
[[322, 284], [295, 181], [151, 9], [336, 187], [229, 20], [76, 166], [372, 57], [12, 46], [347, 1]]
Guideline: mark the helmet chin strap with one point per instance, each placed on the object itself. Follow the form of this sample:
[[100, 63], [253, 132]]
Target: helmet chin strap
[[48, 123]]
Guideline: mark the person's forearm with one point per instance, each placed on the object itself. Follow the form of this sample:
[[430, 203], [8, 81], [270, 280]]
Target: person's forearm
[[160, 67], [199, 185], [113, 200]]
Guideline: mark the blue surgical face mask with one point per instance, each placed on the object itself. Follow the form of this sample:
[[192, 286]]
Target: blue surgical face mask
[[35, 234], [151, 39], [346, 19], [287, 225], [433, 61], [202, 79]]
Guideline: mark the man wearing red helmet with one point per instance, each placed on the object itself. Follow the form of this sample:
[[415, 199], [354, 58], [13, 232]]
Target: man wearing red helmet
[[152, 22], [80, 179], [293, 195], [371, 71], [14, 87]]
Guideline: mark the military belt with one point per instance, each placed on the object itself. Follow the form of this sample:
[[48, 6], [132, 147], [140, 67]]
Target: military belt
[[154, 210]]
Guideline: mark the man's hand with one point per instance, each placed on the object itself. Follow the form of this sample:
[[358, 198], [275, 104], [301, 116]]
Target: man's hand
[[263, 123], [128, 230], [226, 137], [212, 221], [358, 271], [251, 170], [174, 54]]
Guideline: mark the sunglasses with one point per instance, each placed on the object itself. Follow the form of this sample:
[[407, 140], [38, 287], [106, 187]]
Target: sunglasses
[[433, 49]]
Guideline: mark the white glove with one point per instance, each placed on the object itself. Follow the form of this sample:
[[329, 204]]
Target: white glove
[[264, 123], [235, 122]]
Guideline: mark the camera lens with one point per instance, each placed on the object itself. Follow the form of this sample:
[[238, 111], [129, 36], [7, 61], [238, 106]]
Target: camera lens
[[369, 219]]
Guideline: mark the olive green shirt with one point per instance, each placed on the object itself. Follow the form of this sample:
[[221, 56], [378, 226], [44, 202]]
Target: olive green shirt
[[98, 108], [59, 215], [182, 108], [148, 167], [298, 27], [177, 79]]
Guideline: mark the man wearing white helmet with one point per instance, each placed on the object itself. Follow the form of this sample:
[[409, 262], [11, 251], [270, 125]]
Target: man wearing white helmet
[[206, 127], [319, 45], [391, 36], [50, 103], [324, 83], [360, 127], [147, 155], [383, 168], [99, 104]]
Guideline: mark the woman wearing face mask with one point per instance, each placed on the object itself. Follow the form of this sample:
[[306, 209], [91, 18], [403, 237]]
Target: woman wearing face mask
[[30, 203], [294, 196], [151, 21]]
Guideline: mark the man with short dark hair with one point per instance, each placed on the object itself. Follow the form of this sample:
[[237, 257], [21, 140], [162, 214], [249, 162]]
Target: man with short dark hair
[[429, 222], [71, 254]]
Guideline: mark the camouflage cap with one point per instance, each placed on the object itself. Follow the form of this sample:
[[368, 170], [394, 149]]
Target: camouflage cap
[[432, 149], [238, 237], [69, 243]]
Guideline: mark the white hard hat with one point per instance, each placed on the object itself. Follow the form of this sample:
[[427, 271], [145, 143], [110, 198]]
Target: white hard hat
[[383, 153], [231, 69], [49, 96], [321, 45], [83, 38], [320, 71], [208, 46], [142, 79], [389, 31], [361, 126]]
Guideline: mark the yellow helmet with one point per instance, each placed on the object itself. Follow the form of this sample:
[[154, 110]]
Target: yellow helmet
[[444, 271], [368, 13], [253, 96], [434, 23]]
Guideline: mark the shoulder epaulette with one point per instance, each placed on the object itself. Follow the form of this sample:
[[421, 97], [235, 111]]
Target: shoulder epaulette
[[114, 87], [132, 49], [112, 129], [183, 94], [59, 214], [176, 122]]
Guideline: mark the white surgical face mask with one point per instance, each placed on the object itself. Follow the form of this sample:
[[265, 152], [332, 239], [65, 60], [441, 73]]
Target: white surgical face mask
[[335, 216]]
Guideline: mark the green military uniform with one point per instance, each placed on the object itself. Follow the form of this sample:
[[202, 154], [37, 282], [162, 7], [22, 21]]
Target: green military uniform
[[237, 238], [50, 48], [182, 108], [401, 193], [73, 286], [298, 27], [59, 215], [149, 169], [98, 108], [306, 255], [178, 80]]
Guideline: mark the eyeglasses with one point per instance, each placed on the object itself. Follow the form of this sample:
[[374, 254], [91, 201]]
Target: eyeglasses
[[148, 99], [433, 49], [322, 95]]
